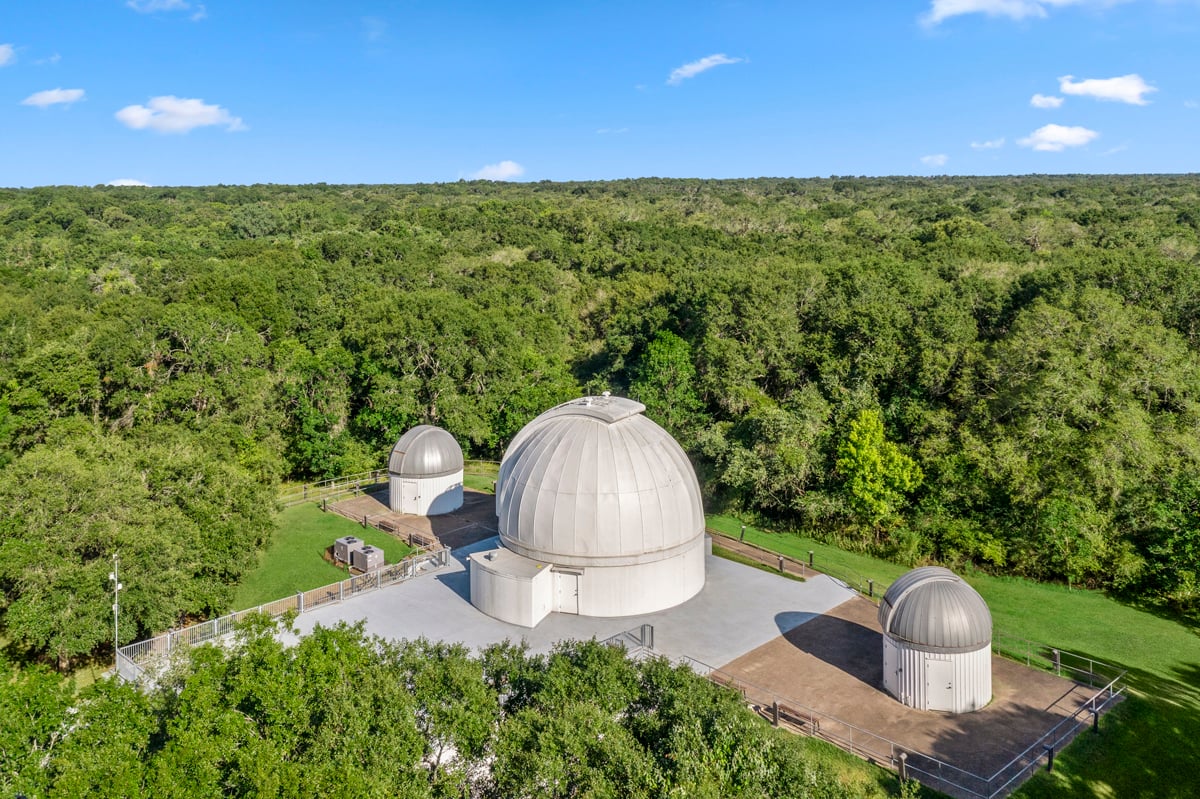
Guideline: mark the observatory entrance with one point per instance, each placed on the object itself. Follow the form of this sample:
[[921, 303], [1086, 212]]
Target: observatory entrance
[[939, 686], [568, 591], [408, 497]]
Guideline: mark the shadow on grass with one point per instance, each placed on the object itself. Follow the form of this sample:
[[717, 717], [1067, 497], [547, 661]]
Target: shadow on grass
[[1148, 745]]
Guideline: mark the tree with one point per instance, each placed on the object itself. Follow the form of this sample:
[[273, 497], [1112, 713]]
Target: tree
[[877, 474], [664, 381]]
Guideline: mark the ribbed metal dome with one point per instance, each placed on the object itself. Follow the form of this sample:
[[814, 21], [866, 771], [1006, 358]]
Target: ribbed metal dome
[[595, 482], [933, 609], [425, 451]]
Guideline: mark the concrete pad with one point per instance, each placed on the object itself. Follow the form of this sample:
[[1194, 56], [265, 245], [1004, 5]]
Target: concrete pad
[[739, 609], [835, 667]]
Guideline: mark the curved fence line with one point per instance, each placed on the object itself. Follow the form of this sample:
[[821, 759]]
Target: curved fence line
[[148, 656]]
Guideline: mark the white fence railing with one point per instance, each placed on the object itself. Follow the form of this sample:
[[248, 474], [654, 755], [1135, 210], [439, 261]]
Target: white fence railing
[[135, 660]]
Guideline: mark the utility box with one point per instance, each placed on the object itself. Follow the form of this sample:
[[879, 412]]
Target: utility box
[[344, 547], [366, 558]]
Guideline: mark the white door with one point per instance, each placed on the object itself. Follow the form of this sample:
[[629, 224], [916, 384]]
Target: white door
[[568, 592], [408, 496], [939, 684]]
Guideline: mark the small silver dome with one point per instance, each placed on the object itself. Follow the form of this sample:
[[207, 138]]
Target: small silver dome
[[933, 609], [425, 451], [595, 482]]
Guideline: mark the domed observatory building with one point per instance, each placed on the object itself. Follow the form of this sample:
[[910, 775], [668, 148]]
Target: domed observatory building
[[937, 642], [599, 514], [425, 472]]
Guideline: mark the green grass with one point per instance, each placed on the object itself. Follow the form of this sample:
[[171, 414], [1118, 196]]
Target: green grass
[[738, 557], [479, 475], [1150, 744], [293, 560]]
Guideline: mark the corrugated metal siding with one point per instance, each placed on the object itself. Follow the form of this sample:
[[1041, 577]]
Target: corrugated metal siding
[[907, 676], [434, 495]]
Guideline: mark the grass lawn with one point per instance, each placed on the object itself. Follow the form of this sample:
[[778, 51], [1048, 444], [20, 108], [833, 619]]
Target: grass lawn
[[479, 475], [293, 560], [1150, 744], [738, 557]]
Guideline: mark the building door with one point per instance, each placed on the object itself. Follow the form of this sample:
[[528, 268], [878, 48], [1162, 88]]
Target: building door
[[568, 592], [408, 496], [890, 683], [939, 684]]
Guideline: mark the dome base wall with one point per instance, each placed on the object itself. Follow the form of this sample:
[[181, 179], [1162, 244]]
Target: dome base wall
[[426, 496], [520, 590], [959, 682]]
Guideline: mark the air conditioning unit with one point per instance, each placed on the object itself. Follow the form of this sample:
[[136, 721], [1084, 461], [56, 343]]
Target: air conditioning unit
[[344, 547], [366, 558]]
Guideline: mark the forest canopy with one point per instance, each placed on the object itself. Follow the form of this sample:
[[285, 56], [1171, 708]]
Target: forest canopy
[[1000, 372]]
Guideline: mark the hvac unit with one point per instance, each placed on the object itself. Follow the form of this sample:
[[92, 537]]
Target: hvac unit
[[366, 558], [344, 547]]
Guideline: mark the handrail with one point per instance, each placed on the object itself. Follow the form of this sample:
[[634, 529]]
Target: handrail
[[946, 773], [354, 483], [133, 658]]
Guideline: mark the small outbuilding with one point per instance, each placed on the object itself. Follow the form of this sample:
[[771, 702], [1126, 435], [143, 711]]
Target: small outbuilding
[[425, 472], [599, 514], [937, 642]]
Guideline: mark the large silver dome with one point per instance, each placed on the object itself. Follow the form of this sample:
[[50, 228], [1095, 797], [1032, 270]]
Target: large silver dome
[[425, 451], [595, 482], [935, 610]]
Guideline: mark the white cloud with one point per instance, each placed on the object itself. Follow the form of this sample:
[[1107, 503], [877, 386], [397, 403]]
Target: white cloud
[[1056, 138], [171, 114], [691, 70], [1125, 89], [990, 144], [940, 10], [126, 182], [614, 131], [935, 160], [505, 170], [1045, 101], [374, 29], [151, 6], [8, 55], [50, 97], [1191, 104], [198, 10]]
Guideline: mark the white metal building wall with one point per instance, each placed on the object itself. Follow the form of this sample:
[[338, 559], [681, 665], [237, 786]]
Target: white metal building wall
[[639, 588], [425, 496], [918, 679], [509, 598]]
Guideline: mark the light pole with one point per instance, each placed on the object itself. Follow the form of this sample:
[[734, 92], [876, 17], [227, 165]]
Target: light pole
[[114, 578]]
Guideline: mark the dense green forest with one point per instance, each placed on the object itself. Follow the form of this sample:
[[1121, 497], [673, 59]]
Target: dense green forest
[[344, 715], [992, 371]]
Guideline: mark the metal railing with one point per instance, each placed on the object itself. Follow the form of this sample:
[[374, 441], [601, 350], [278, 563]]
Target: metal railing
[[333, 488], [336, 488], [149, 656], [852, 579], [638, 642], [910, 762]]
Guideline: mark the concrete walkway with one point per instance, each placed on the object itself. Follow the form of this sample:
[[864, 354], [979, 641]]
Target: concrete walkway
[[739, 609]]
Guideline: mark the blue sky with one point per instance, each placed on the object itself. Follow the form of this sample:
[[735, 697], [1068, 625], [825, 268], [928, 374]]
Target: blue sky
[[180, 92]]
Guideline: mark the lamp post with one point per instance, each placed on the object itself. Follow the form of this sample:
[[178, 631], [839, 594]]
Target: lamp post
[[114, 578]]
